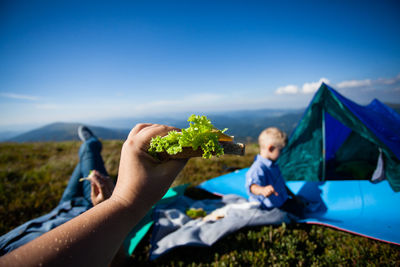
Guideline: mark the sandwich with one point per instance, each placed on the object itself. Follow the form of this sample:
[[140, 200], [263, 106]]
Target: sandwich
[[200, 139]]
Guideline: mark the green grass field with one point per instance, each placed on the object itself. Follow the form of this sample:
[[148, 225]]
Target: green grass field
[[34, 175]]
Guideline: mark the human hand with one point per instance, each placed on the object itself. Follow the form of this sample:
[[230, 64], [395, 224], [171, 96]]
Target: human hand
[[102, 187], [268, 190], [141, 177], [265, 191]]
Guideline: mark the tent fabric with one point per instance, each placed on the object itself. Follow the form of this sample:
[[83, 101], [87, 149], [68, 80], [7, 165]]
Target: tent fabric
[[359, 206], [326, 126], [334, 131]]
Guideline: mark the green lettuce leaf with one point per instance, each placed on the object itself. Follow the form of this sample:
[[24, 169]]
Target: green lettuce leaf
[[200, 134]]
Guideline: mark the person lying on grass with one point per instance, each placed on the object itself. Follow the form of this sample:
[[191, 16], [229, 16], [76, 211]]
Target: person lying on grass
[[93, 237], [264, 181], [78, 196]]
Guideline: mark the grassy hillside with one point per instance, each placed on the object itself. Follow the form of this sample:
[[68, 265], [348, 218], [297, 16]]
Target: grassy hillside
[[34, 175]]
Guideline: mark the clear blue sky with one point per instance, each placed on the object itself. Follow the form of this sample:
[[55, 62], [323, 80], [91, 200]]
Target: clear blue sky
[[88, 60]]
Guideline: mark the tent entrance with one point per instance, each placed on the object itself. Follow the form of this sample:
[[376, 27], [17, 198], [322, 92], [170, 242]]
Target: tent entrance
[[322, 147], [348, 156]]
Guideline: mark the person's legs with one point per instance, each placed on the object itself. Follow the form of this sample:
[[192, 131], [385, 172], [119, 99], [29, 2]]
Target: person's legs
[[293, 207], [89, 159]]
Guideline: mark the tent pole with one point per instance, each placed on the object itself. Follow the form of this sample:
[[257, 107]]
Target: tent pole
[[323, 145]]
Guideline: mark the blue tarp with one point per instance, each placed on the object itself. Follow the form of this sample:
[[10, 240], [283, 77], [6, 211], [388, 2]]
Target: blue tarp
[[356, 206]]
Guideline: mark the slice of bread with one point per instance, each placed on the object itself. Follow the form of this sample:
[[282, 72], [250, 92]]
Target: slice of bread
[[230, 148]]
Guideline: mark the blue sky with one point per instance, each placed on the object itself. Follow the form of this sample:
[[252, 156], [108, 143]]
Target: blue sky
[[89, 60]]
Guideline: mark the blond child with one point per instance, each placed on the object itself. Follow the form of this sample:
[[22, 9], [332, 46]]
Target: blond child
[[264, 181]]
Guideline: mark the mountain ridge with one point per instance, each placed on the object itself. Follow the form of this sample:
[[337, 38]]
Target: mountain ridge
[[66, 131], [244, 126]]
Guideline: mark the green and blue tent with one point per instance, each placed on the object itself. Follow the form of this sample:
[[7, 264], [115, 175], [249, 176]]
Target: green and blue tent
[[337, 139]]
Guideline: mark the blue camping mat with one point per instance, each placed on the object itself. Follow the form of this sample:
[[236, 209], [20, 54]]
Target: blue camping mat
[[356, 206]]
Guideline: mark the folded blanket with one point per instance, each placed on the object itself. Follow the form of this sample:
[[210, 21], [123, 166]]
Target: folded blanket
[[174, 228]]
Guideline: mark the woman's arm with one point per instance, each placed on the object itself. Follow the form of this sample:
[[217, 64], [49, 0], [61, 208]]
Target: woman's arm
[[93, 238]]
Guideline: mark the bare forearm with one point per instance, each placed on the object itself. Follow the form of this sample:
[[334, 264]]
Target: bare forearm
[[93, 238], [107, 224]]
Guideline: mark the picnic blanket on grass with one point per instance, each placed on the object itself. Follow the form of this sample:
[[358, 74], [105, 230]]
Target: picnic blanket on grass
[[356, 206], [173, 228]]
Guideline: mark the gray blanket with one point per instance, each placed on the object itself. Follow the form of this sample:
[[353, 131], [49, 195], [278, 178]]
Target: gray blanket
[[174, 228]]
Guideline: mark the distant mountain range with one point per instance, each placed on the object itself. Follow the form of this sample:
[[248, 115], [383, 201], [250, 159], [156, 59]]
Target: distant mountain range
[[66, 131], [244, 125], [6, 135]]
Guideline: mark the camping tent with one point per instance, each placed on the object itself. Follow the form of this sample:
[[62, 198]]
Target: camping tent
[[338, 139]]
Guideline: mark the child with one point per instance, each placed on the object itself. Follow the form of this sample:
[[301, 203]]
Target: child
[[264, 181]]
